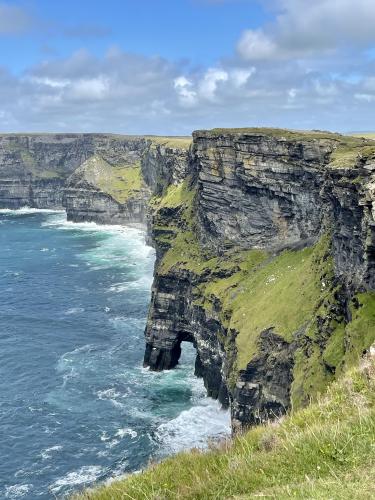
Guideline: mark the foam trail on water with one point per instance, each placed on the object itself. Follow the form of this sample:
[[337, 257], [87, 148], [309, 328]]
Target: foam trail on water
[[28, 210], [86, 474]]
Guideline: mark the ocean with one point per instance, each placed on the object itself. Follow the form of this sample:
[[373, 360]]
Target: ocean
[[76, 405]]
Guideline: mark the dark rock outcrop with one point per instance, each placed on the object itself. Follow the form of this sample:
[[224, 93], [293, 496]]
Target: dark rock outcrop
[[257, 190], [164, 165], [262, 391]]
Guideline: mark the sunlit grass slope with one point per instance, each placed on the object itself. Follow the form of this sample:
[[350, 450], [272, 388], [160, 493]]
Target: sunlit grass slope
[[326, 451]]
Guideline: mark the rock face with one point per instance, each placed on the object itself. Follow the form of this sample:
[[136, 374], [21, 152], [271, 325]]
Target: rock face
[[33, 167], [259, 191], [165, 164], [42, 171], [271, 190], [265, 244], [91, 193]]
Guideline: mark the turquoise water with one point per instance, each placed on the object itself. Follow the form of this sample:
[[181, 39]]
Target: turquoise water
[[76, 406]]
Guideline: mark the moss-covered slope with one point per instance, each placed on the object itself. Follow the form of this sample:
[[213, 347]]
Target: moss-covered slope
[[295, 294], [121, 182]]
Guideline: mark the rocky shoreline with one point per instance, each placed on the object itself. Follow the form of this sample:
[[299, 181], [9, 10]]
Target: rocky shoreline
[[265, 243]]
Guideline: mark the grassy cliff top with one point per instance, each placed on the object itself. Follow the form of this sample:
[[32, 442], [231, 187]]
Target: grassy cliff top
[[324, 451], [272, 132], [289, 134], [347, 150], [173, 142], [368, 135]]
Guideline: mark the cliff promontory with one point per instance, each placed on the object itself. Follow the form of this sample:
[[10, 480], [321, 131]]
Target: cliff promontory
[[266, 263]]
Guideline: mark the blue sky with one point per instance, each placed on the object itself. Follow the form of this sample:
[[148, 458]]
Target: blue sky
[[198, 30], [169, 67]]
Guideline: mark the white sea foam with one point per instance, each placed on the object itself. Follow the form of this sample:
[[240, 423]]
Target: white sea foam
[[104, 436], [120, 246], [84, 475], [126, 432], [108, 394], [74, 310], [143, 283], [28, 210], [194, 428], [48, 452], [60, 222], [112, 443], [17, 490]]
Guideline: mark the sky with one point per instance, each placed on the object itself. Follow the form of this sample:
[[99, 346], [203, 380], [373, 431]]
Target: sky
[[169, 67]]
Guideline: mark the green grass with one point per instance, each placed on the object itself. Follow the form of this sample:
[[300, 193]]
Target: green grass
[[368, 135], [275, 132], [175, 196], [120, 182], [281, 293], [348, 155], [293, 293], [326, 451]]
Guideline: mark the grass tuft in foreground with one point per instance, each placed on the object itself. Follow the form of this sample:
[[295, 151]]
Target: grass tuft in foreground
[[326, 451]]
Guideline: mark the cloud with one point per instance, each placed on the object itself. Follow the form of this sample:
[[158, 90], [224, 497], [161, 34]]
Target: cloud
[[210, 82], [256, 45], [183, 87], [14, 20], [129, 93], [303, 28]]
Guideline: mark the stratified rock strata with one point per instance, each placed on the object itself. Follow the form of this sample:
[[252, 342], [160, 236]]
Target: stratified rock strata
[[268, 266], [265, 246]]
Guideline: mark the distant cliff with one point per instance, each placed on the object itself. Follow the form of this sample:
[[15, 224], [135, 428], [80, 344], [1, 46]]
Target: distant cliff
[[265, 243], [103, 178]]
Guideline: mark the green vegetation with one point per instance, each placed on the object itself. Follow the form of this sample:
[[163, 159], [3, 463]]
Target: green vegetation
[[326, 451], [175, 196], [278, 132], [282, 293], [291, 292], [368, 135], [120, 182], [348, 154]]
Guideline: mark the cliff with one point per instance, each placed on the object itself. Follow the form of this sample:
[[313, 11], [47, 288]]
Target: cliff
[[265, 243], [103, 178], [266, 263]]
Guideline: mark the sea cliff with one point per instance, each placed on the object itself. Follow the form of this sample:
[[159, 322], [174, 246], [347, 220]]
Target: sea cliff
[[266, 263], [265, 244]]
